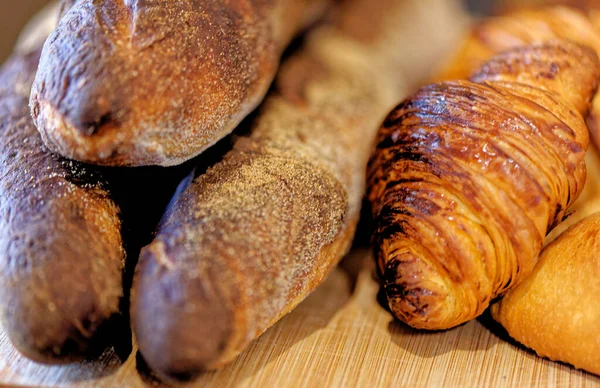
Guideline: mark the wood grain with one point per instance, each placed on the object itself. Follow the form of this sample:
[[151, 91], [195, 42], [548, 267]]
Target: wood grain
[[339, 337]]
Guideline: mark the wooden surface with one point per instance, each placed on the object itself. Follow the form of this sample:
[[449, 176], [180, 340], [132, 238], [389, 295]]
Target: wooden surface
[[340, 337]]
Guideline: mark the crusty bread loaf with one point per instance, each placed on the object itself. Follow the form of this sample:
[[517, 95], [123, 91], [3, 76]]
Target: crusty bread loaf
[[243, 244], [556, 310], [158, 82], [61, 253]]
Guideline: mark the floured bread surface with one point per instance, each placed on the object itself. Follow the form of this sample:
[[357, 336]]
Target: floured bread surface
[[157, 82], [61, 253], [243, 244]]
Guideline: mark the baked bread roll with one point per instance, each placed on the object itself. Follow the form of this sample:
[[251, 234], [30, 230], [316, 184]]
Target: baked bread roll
[[525, 27], [468, 177], [497, 34], [241, 245], [61, 252], [556, 310], [157, 82]]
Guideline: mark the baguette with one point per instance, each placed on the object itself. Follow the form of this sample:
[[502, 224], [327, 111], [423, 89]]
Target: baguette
[[556, 310], [244, 243], [61, 251], [468, 177], [158, 82]]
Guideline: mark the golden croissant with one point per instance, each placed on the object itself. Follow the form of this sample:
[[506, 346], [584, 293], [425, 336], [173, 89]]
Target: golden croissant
[[520, 28], [517, 29], [468, 177]]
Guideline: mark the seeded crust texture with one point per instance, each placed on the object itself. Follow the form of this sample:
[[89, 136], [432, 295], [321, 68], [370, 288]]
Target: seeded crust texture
[[61, 253], [154, 82], [243, 244]]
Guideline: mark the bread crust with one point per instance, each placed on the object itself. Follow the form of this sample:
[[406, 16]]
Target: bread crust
[[61, 253], [526, 27], [157, 82], [244, 243], [556, 310], [468, 177], [248, 240], [521, 28]]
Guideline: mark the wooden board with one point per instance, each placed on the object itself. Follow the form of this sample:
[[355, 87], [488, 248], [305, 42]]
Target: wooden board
[[340, 337]]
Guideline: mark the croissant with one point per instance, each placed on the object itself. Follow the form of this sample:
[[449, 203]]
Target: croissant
[[498, 34], [525, 27], [468, 177], [588, 202]]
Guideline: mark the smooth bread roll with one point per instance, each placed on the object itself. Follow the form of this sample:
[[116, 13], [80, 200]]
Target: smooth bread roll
[[556, 310], [130, 83]]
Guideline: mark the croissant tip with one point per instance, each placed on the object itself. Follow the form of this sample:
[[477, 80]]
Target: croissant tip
[[409, 300]]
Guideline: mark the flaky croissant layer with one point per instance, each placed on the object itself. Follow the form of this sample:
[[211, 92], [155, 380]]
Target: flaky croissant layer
[[469, 176]]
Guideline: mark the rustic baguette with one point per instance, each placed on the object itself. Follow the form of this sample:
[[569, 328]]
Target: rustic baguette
[[61, 252], [158, 82], [243, 244]]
